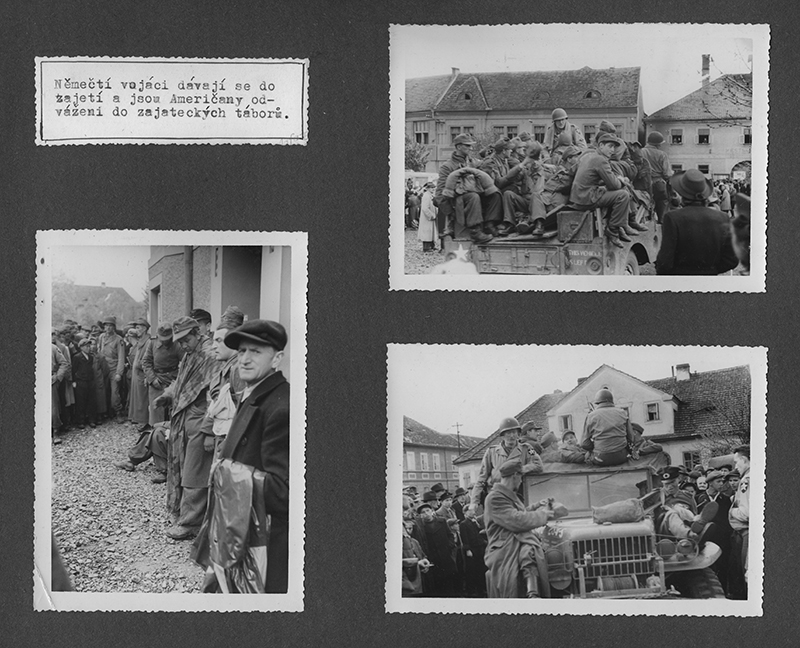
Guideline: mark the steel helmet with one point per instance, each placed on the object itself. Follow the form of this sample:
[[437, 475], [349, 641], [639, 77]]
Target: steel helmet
[[508, 424], [655, 138], [604, 396], [559, 113]]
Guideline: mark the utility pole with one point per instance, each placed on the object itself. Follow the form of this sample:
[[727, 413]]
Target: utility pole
[[457, 426]]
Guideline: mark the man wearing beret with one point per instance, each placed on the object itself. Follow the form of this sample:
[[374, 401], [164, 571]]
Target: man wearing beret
[[258, 438], [596, 185], [112, 347], [513, 547], [696, 239], [189, 462], [509, 448]]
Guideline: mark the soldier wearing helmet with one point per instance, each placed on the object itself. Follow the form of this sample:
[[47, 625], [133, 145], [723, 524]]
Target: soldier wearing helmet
[[660, 170], [607, 431], [508, 449], [560, 124]]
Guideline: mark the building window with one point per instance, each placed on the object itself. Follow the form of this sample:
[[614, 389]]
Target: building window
[[565, 422], [538, 133], [455, 475], [588, 132], [704, 136], [677, 167], [437, 475], [592, 94], [747, 135], [436, 461], [411, 463], [504, 131], [652, 412], [690, 460], [467, 96], [423, 461], [455, 131], [421, 138], [421, 132], [676, 136], [703, 168], [425, 475], [412, 475]]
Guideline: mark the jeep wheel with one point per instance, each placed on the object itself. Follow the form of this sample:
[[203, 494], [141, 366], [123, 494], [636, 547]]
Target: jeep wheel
[[700, 584], [631, 264]]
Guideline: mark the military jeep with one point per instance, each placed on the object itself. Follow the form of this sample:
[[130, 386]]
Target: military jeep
[[621, 560], [578, 247]]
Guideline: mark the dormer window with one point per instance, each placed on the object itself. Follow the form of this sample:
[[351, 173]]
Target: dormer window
[[592, 94], [467, 96]]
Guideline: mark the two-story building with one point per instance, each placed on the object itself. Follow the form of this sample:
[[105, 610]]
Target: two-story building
[[682, 413], [428, 456], [496, 104], [710, 129]]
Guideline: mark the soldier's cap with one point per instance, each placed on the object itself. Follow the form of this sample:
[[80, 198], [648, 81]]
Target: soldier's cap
[[570, 433], [182, 326], [201, 315], [232, 318], [680, 497], [110, 320], [515, 142], [463, 139], [437, 487], [524, 136], [502, 145], [164, 332], [606, 126], [733, 474], [142, 321], [410, 488], [548, 439], [511, 467], [429, 496], [570, 152], [608, 137], [669, 473], [460, 491], [714, 474], [445, 495], [84, 342], [637, 427], [259, 331], [565, 139]]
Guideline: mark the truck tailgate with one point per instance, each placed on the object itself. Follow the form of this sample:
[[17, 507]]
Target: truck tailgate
[[510, 258]]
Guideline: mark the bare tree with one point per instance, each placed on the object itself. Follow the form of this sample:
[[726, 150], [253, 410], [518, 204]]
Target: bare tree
[[728, 428], [416, 155]]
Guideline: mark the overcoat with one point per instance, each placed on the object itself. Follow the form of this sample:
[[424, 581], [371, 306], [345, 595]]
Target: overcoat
[[695, 240], [259, 437]]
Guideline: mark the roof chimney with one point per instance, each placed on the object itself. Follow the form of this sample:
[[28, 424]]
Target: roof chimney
[[102, 284], [682, 372], [580, 380], [455, 73], [706, 73]]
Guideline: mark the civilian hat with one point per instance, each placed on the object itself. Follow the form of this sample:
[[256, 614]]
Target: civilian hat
[[429, 496], [511, 468], [691, 184], [463, 139], [164, 332], [714, 474], [608, 137], [142, 322], [259, 331], [201, 315], [569, 432], [437, 487], [733, 474], [423, 505], [445, 495], [84, 342], [460, 491], [110, 320], [182, 326]]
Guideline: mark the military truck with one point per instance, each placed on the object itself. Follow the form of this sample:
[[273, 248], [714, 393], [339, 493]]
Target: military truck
[[578, 247], [621, 560]]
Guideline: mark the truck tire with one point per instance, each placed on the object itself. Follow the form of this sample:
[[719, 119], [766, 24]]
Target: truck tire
[[631, 266], [701, 584]]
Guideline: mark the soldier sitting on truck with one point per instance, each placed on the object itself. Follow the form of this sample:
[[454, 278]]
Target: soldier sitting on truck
[[680, 520], [561, 125], [607, 432], [526, 211], [504, 172], [464, 208], [596, 185]]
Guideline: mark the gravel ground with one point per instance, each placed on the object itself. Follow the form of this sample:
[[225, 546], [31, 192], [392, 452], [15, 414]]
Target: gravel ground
[[110, 523]]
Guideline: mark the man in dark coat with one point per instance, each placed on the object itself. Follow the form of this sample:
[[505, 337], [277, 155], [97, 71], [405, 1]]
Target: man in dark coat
[[259, 433], [474, 540], [696, 240], [83, 382]]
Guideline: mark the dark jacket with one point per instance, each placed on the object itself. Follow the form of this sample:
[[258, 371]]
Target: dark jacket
[[695, 240], [259, 437], [83, 368]]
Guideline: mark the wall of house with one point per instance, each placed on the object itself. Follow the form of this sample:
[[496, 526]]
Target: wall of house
[[414, 457], [726, 146], [166, 274], [628, 393], [202, 268]]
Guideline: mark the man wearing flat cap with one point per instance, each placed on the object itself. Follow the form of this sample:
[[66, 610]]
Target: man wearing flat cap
[[257, 443], [695, 239], [596, 185], [188, 461], [138, 401], [513, 548]]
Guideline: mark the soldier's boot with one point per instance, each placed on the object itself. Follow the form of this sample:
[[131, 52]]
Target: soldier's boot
[[622, 235], [504, 229], [538, 227], [637, 226], [629, 230], [491, 228], [531, 582], [524, 227], [614, 237], [477, 235]]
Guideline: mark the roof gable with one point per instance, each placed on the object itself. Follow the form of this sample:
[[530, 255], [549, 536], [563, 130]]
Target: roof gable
[[424, 93], [728, 97], [416, 433], [464, 94]]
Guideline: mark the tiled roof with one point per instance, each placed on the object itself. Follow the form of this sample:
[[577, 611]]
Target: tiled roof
[[101, 293], [416, 433], [728, 97], [503, 91], [535, 412], [710, 399]]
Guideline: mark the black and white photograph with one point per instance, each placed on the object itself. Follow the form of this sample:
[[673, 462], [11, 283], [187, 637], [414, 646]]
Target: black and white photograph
[[614, 157], [170, 444], [626, 477]]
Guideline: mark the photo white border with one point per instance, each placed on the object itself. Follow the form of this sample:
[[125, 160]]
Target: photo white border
[[44, 598], [755, 282], [752, 607]]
